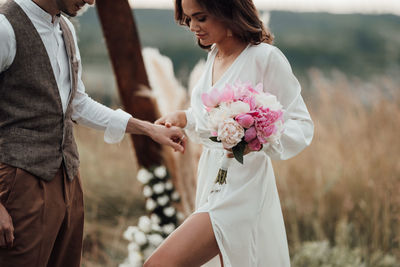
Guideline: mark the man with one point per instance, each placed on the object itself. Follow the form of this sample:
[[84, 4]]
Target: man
[[41, 94]]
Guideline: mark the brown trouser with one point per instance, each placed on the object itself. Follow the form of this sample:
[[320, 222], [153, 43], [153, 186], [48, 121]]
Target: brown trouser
[[47, 219]]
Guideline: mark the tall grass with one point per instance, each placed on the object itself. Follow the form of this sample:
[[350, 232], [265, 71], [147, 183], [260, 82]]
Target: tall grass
[[344, 188]]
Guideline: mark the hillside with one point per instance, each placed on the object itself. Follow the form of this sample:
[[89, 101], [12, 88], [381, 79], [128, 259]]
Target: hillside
[[358, 45]]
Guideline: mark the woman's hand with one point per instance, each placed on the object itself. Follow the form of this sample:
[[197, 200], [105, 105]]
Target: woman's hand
[[176, 118]]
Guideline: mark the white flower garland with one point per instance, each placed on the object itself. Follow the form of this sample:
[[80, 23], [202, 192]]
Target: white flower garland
[[162, 220]]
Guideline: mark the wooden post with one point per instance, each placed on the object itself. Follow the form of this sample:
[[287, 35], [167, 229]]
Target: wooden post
[[124, 48], [123, 45]]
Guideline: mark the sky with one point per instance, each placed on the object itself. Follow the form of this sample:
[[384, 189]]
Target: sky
[[332, 6]]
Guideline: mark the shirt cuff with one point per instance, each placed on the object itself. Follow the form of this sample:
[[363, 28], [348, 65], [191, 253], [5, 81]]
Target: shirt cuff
[[116, 127]]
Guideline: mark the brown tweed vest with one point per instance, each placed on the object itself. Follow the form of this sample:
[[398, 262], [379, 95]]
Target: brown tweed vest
[[35, 134]]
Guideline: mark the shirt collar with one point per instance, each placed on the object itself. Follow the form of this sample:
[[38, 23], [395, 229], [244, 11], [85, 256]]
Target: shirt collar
[[39, 13]]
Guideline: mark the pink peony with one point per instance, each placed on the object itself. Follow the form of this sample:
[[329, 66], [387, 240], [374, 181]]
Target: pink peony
[[255, 145], [251, 100], [264, 121], [245, 120], [230, 133], [250, 134], [211, 99]]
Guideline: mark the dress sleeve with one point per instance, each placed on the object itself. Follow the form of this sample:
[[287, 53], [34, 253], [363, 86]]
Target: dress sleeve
[[190, 120], [280, 81]]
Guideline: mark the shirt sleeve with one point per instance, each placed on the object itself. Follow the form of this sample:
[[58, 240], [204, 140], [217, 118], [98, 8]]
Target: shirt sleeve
[[90, 113], [280, 81], [7, 44]]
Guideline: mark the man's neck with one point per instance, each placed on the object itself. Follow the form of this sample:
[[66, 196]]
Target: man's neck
[[49, 6]]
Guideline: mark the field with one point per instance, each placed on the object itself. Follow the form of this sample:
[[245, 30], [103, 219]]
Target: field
[[342, 193], [340, 197]]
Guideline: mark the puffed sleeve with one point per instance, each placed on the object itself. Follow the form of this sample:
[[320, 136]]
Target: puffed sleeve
[[279, 80]]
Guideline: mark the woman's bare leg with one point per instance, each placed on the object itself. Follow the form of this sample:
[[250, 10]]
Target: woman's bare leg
[[192, 244]]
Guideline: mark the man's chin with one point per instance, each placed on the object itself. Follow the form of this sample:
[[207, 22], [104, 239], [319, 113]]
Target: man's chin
[[70, 13]]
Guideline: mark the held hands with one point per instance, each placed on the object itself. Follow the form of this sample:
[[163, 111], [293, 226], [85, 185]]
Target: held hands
[[173, 120], [176, 118], [171, 136], [6, 229]]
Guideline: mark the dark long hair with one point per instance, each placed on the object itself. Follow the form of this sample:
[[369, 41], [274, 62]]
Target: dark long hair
[[240, 16]]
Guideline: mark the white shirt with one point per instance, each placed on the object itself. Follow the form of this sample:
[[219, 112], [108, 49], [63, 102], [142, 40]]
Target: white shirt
[[86, 111]]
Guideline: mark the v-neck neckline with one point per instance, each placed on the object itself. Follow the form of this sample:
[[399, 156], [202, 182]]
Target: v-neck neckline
[[227, 70]]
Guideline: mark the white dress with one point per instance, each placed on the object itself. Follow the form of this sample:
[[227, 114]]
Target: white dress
[[246, 214]]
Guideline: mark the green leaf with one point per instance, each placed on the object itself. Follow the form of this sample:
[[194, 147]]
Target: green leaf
[[238, 151], [214, 139]]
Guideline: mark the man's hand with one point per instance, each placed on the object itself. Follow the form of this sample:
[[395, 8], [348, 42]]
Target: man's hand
[[176, 118], [6, 228], [172, 136]]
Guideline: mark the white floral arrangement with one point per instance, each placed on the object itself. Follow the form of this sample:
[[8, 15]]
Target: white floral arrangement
[[162, 220]]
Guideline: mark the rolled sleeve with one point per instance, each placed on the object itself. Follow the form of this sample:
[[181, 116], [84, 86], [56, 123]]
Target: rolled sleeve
[[116, 127]]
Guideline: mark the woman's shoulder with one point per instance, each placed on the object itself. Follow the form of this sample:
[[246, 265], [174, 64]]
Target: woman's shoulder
[[262, 49], [267, 54]]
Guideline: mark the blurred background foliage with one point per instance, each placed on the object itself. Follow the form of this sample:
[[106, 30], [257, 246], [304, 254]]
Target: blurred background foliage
[[357, 44]]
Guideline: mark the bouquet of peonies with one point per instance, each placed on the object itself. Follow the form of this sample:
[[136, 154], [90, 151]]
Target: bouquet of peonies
[[241, 115]]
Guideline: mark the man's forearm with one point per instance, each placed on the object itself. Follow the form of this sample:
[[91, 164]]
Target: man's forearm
[[136, 126]]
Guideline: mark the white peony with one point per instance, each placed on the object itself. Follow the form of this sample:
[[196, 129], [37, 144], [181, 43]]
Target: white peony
[[180, 216], [144, 224], [160, 172], [169, 211], [163, 200], [129, 232], [155, 219], [150, 204], [230, 133], [168, 228], [218, 115], [169, 185], [144, 176], [147, 191], [268, 101], [155, 239], [158, 188], [140, 238], [148, 251], [175, 196], [238, 107], [156, 227], [135, 259], [133, 247]]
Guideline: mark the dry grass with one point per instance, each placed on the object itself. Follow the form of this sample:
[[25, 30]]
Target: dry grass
[[345, 188]]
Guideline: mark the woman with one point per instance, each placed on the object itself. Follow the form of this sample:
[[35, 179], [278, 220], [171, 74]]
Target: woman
[[243, 222]]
